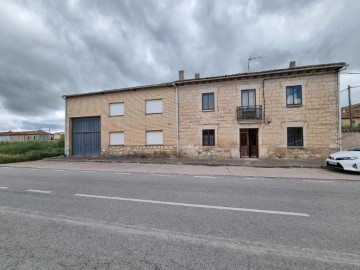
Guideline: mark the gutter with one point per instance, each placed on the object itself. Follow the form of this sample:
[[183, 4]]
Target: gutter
[[177, 118]]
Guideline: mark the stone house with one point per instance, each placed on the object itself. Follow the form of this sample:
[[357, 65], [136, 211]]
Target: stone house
[[289, 113], [22, 136], [345, 115]]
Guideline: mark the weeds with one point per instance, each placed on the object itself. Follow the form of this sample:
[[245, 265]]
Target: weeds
[[30, 150]]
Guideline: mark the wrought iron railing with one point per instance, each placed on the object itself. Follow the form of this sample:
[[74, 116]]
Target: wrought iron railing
[[249, 112]]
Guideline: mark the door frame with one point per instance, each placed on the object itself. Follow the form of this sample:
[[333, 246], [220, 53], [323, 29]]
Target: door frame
[[249, 150]]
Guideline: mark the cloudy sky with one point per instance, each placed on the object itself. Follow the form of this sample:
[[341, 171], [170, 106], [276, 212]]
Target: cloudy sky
[[52, 48]]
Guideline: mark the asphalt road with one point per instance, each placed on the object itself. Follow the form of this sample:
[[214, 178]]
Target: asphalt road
[[60, 219]]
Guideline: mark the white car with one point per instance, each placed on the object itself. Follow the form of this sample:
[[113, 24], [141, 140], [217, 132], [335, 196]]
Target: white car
[[348, 160]]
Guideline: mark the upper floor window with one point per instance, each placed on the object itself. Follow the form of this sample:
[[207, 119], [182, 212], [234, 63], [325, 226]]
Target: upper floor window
[[153, 106], [208, 101], [294, 95], [248, 98], [116, 109], [295, 136]]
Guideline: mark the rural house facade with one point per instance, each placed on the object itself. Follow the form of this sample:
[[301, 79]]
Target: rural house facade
[[23, 136], [289, 113]]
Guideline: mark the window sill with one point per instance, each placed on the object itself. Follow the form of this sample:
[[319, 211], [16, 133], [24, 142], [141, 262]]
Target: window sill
[[116, 115], [293, 105], [208, 146], [208, 110], [296, 147], [154, 113]]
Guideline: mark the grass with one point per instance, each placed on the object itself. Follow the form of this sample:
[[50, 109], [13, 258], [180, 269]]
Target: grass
[[30, 150]]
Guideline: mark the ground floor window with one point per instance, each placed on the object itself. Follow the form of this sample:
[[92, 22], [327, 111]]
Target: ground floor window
[[116, 138], [208, 137], [295, 136], [154, 137]]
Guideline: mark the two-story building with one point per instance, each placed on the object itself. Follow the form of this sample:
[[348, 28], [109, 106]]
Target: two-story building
[[290, 113]]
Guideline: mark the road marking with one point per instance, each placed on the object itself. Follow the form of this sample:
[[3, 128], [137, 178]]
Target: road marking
[[318, 181], [32, 169], [123, 173], [3, 187], [196, 205], [7, 168], [254, 178], [87, 171], [38, 191], [204, 176], [58, 170]]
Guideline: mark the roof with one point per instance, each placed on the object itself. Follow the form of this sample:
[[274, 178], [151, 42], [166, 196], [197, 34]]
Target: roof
[[355, 111], [18, 133], [336, 66]]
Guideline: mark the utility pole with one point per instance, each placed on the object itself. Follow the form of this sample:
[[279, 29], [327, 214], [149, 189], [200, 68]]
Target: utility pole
[[350, 112]]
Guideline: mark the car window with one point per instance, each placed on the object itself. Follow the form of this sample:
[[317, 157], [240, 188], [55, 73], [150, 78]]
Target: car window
[[355, 149]]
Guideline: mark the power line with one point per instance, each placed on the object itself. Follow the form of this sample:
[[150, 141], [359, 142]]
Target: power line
[[349, 72]]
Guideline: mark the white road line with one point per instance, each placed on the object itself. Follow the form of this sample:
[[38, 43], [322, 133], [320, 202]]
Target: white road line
[[254, 178], [32, 169], [123, 173], [204, 176], [3, 187], [86, 171], [318, 181], [10, 168], [58, 170], [38, 191], [196, 205]]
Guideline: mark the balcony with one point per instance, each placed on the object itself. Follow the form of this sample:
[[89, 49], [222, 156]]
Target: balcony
[[249, 113]]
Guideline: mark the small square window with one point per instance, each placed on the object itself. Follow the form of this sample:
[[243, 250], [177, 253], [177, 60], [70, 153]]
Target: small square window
[[116, 138], [208, 137], [295, 136], [294, 95], [116, 109], [208, 101]]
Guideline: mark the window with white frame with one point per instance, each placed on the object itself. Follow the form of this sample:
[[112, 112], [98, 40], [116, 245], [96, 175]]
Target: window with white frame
[[116, 109], [116, 138], [154, 106], [154, 137]]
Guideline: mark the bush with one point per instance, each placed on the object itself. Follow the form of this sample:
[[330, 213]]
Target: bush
[[30, 150]]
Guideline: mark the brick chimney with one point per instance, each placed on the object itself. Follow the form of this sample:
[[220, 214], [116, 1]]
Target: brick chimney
[[197, 75], [292, 64], [181, 75]]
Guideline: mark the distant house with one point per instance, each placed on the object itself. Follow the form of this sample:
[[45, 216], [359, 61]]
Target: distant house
[[22, 136], [345, 115], [58, 135]]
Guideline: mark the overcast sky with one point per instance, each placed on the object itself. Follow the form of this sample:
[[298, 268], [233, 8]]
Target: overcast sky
[[57, 47]]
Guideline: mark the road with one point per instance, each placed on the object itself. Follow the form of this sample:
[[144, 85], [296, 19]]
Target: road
[[73, 219]]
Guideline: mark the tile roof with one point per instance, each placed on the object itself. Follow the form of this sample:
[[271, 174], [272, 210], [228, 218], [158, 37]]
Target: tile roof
[[17, 133], [337, 66]]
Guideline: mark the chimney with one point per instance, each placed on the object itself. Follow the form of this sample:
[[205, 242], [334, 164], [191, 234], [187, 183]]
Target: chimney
[[197, 75], [181, 75], [292, 64]]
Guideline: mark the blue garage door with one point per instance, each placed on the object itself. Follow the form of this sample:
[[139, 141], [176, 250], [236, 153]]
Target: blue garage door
[[86, 136]]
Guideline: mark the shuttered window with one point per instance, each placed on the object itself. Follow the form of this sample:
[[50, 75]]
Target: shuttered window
[[154, 106], [154, 137], [116, 138], [116, 109]]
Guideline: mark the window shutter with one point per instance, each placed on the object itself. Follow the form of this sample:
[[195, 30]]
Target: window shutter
[[116, 109], [154, 137], [116, 138], [154, 106]]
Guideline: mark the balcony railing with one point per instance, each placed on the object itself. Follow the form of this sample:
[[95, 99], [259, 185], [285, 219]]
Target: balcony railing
[[249, 112]]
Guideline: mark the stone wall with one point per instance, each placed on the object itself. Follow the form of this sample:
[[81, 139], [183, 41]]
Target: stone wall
[[350, 139], [141, 151], [318, 116]]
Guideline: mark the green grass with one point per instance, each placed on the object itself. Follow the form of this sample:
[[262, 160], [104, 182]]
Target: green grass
[[30, 150]]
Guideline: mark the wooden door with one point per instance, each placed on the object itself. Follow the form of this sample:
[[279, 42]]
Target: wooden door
[[249, 142]]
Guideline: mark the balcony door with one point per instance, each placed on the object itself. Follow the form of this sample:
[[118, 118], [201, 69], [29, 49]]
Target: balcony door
[[248, 103], [249, 143]]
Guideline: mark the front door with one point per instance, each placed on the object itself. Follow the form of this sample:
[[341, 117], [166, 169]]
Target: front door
[[249, 142]]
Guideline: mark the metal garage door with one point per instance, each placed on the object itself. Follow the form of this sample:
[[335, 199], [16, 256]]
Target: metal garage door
[[86, 136]]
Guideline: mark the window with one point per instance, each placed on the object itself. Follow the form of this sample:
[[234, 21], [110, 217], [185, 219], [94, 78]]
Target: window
[[293, 95], [116, 109], [248, 98], [208, 137], [295, 136], [208, 101], [154, 137], [116, 138], [154, 106]]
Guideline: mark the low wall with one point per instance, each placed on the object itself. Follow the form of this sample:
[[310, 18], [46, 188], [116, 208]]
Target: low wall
[[350, 139]]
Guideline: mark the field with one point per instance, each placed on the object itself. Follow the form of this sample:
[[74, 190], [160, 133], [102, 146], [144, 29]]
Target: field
[[30, 150]]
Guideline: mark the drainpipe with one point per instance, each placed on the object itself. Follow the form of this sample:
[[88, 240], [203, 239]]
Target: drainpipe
[[177, 118], [339, 105], [66, 129]]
